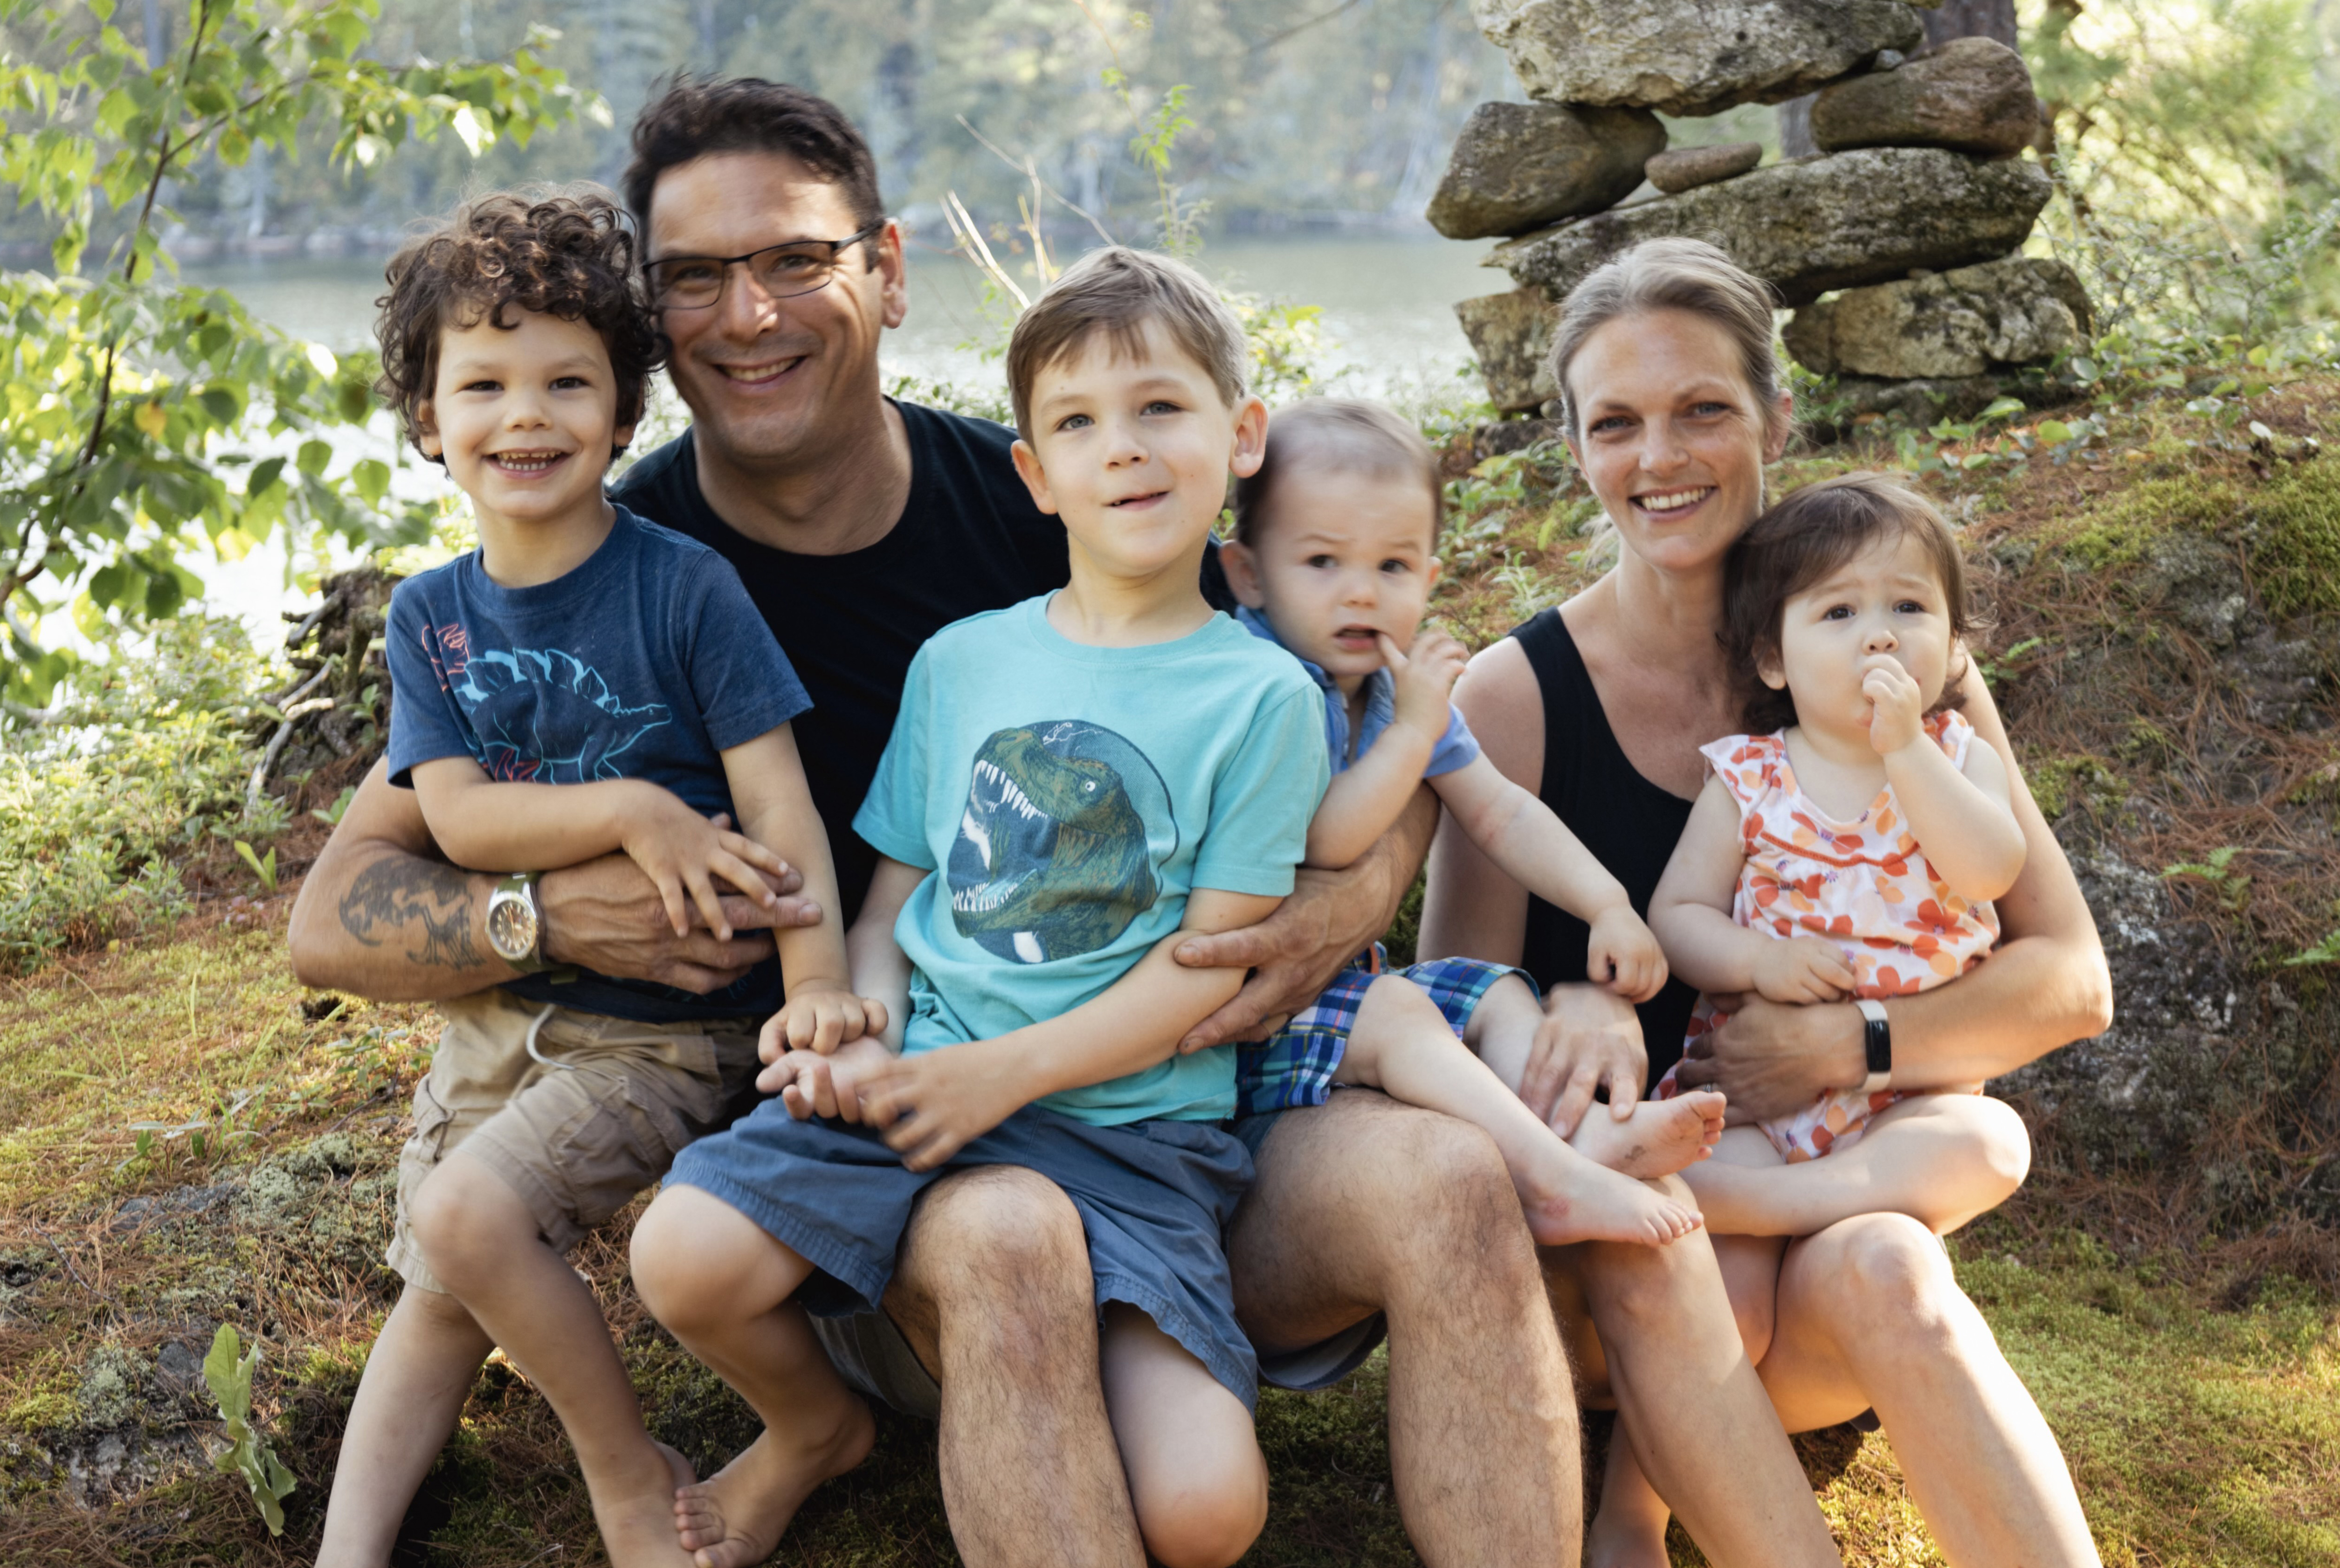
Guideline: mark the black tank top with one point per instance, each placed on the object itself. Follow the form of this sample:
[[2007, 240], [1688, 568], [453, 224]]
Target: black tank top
[[1629, 823]]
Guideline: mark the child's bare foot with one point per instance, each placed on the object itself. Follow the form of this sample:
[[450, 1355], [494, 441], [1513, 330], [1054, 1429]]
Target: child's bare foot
[[1661, 1137], [684, 1474], [734, 1518], [1571, 1199], [636, 1524]]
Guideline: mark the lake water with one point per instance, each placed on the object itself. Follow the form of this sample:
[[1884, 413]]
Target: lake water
[[1388, 321]]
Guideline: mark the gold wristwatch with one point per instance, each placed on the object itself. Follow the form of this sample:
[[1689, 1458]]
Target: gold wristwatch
[[515, 925]]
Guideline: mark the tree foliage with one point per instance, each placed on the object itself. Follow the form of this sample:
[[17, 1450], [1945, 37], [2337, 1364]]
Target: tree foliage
[[141, 419]]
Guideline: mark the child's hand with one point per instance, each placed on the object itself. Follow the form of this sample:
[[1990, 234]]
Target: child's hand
[[1895, 703], [683, 852], [810, 1085], [818, 1018], [1624, 956], [935, 1104], [1804, 969], [1424, 677]]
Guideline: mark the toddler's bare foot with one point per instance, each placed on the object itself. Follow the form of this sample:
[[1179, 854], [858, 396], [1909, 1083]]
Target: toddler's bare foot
[[1571, 1199], [734, 1518], [1618, 1538], [636, 1521], [1659, 1138], [684, 1474]]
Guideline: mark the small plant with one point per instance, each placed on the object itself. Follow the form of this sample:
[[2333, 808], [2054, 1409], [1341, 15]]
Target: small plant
[[2234, 886], [331, 816], [265, 870], [2326, 951], [229, 1372]]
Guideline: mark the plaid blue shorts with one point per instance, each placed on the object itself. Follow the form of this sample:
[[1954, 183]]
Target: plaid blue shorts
[[1294, 1066]]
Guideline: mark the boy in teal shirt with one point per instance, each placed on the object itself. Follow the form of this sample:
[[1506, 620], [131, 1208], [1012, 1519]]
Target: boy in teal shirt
[[1072, 784]]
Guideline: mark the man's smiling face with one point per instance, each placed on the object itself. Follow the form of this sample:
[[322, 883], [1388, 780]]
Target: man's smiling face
[[765, 379]]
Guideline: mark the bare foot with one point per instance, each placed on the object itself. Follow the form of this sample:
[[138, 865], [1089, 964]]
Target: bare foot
[[1659, 1138], [734, 1518], [1571, 1199], [1611, 1541], [637, 1528]]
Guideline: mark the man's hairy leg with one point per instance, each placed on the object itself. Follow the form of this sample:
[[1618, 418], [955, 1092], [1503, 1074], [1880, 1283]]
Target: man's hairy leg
[[1691, 1403], [1365, 1204], [417, 1377], [994, 1296]]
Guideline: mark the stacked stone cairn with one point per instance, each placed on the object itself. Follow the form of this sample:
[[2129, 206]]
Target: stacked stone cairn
[[1909, 217]]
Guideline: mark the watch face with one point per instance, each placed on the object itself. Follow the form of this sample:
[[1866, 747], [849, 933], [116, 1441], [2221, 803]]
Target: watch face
[[511, 928]]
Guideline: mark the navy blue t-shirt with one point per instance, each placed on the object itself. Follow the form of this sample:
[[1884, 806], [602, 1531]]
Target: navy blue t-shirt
[[647, 662]]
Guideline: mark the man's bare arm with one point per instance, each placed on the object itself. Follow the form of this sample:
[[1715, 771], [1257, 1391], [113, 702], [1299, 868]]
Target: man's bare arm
[[1329, 919], [382, 915]]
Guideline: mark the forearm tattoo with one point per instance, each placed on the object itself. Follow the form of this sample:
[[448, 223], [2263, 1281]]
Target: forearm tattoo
[[401, 893]]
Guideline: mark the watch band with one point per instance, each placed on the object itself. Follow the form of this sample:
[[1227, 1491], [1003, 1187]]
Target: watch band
[[1877, 1043], [518, 889]]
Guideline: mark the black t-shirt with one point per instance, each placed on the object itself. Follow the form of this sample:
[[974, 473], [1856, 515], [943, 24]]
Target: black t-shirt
[[1629, 823], [969, 540]]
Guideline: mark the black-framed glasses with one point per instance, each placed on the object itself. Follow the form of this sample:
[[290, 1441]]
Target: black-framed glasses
[[782, 271]]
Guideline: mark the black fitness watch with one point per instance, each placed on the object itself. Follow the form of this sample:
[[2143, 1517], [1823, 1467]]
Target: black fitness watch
[[1876, 1042]]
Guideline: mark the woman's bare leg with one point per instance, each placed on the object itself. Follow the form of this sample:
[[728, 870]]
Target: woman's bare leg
[[1629, 1531], [1871, 1317], [1940, 1159], [1687, 1393]]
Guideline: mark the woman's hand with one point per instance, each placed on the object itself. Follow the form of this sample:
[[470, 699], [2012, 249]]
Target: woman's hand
[[1771, 1058], [1589, 1037]]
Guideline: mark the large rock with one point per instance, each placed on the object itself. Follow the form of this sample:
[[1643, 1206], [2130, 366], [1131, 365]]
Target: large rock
[[1973, 95], [1511, 335], [1691, 56], [1519, 166], [1815, 224], [1961, 323]]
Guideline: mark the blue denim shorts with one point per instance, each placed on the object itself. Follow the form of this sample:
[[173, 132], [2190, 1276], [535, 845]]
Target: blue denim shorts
[[1153, 1198], [1294, 1065]]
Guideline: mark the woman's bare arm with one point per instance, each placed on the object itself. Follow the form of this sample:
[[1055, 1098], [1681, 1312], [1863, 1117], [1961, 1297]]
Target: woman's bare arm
[[382, 915], [2045, 986]]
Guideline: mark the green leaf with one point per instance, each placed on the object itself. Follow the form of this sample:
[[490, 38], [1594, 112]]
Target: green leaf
[[2054, 432], [313, 456], [1999, 409], [263, 870], [372, 478], [2085, 368], [228, 1372]]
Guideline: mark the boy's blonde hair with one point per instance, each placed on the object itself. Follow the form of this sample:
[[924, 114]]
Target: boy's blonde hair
[[1117, 290], [1342, 433]]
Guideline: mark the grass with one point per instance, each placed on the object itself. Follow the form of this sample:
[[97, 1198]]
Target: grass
[[188, 1138]]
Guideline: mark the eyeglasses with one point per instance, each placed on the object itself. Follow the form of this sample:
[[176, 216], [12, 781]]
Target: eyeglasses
[[782, 271]]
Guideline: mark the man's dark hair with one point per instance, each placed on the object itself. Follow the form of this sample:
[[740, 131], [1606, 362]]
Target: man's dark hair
[[1796, 544], [565, 250], [693, 116]]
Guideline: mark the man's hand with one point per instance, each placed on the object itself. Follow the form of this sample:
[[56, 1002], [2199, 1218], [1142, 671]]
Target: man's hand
[[1293, 955], [1802, 969], [607, 916], [1772, 1058], [934, 1104], [818, 1018], [1424, 679], [811, 1085], [1590, 1037], [1895, 704], [1624, 956]]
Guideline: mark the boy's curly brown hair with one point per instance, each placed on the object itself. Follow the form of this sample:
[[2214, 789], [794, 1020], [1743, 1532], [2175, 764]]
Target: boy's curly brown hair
[[565, 250]]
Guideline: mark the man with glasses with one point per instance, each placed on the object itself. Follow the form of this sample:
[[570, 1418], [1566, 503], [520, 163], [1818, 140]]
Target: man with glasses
[[861, 525]]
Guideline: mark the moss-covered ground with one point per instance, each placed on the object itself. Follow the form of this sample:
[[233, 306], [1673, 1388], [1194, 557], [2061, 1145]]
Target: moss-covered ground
[[188, 1138]]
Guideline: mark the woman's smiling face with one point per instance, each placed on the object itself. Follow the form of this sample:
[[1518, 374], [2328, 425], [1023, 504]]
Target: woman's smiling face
[[1671, 436]]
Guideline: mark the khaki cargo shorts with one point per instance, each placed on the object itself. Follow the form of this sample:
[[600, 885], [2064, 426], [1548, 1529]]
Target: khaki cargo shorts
[[576, 1139]]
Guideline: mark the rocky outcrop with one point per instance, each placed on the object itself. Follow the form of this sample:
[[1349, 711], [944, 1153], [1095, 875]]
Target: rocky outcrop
[[1510, 334], [1690, 167], [1691, 56], [1815, 224], [1961, 323], [1972, 94], [1519, 166]]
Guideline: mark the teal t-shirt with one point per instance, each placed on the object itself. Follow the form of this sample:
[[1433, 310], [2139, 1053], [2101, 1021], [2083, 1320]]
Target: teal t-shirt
[[1064, 799]]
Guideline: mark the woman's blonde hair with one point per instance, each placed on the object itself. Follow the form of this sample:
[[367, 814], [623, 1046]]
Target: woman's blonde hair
[[1673, 274]]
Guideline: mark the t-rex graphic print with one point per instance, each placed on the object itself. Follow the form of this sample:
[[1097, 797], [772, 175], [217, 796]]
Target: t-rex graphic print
[[545, 716], [1052, 859]]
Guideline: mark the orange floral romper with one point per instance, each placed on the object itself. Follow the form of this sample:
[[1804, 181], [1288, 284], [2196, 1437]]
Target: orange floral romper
[[1866, 883]]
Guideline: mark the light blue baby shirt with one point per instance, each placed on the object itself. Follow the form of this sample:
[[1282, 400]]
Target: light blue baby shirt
[[1458, 747]]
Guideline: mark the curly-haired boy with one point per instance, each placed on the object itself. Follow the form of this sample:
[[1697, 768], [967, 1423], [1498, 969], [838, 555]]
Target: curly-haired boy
[[584, 683]]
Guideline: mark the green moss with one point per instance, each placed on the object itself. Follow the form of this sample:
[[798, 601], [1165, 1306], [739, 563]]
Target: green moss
[[2058, 783], [2297, 558], [2119, 532], [45, 1411]]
